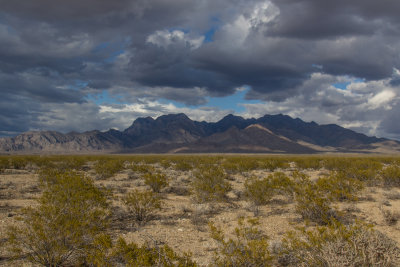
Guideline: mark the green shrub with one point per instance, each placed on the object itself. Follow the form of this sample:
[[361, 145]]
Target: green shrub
[[260, 191], [391, 176], [249, 247], [183, 165], [365, 170], [165, 163], [339, 187], [142, 168], [339, 245], [313, 204], [70, 217], [142, 205], [4, 164], [131, 254], [156, 181], [336, 164], [273, 164], [210, 184], [18, 162], [308, 163], [71, 163], [107, 168]]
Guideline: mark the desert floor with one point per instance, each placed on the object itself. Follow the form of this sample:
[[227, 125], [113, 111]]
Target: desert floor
[[182, 223]]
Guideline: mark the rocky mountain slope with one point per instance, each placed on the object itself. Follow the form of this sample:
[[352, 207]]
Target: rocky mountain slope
[[176, 133]]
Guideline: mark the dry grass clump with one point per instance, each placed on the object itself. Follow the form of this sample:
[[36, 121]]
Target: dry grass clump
[[390, 217], [249, 247], [339, 245], [156, 181], [142, 205], [393, 195]]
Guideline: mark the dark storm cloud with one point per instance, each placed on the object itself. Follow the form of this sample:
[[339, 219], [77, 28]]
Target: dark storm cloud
[[324, 19], [56, 55]]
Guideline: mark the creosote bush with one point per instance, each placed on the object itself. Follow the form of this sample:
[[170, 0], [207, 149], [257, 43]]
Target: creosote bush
[[106, 168], [210, 184], [142, 205], [183, 165], [70, 217], [312, 203], [131, 254], [156, 181], [142, 168], [337, 186], [249, 247], [260, 191], [391, 176], [4, 164], [339, 245]]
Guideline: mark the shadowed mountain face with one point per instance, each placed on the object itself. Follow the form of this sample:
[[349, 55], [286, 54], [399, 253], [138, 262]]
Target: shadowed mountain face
[[176, 133]]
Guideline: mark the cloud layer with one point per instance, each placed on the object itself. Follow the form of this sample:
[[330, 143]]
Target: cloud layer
[[327, 61]]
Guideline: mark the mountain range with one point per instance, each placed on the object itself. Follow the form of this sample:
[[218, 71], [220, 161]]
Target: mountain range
[[176, 133]]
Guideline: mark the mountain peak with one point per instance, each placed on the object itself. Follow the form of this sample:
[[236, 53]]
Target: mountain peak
[[174, 132], [173, 117]]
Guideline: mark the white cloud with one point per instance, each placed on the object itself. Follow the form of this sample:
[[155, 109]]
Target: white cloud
[[381, 100], [235, 33], [167, 38]]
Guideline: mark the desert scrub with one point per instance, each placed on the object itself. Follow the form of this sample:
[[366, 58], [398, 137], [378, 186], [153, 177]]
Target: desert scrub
[[338, 187], [4, 164], [156, 181], [183, 165], [273, 164], [19, 162], [131, 254], [311, 203], [71, 215], [165, 163], [339, 245], [142, 168], [71, 163], [391, 176], [106, 168], [260, 191], [390, 217], [210, 184], [249, 247], [142, 205], [308, 163], [365, 170], [240, 164]]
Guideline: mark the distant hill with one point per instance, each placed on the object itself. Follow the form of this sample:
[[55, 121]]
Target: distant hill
[[176, 133]]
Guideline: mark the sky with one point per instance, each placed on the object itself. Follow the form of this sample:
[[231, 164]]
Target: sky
[[99, 64]]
